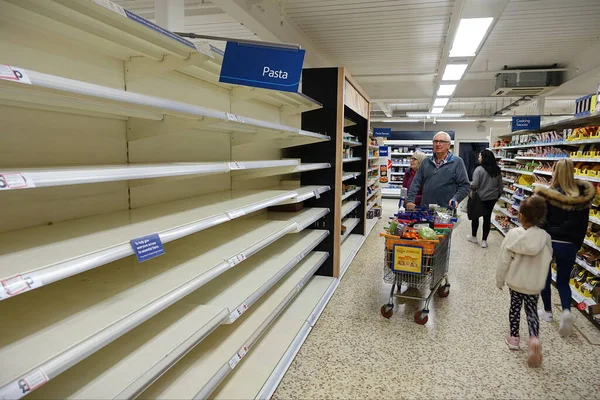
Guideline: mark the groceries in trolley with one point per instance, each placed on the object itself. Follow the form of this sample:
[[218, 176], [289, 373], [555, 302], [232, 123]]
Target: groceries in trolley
[[417, 254]]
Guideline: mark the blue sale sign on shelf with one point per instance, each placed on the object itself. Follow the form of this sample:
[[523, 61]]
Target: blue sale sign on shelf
[[147, 247], [382, 132], [383, 151], [526, 122], [264, 67]]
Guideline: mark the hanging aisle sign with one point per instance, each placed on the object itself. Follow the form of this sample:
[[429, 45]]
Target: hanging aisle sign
[[266, 67], [526, 122], [382, 132]]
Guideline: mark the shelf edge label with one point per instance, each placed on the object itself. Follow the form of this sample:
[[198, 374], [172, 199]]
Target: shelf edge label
[[147, 247], [15, 180], [14, 74], [17, 284], [267, 67], [24, 385], [235, 214]]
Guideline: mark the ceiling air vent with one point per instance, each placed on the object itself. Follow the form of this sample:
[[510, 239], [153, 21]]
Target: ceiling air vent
[[520, 82]]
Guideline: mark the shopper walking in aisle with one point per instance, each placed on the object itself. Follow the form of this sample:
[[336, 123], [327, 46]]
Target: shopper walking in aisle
[[415, 161], [568, 202], [486, 189], [525, 258], [442, 177]]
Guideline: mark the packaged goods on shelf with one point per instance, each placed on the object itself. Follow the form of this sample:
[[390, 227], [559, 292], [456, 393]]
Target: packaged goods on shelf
[[583, 133], [585, 105], [537, 138]]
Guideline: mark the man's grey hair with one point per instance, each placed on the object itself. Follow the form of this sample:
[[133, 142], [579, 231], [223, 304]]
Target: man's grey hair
[[448, 138]]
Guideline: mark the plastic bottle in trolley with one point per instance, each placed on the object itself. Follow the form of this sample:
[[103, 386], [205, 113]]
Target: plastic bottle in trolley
[[402, 202]]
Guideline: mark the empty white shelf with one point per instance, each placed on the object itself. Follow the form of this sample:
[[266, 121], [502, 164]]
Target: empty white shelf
[[245, 174], [350, 193], [80, 315], [371, 205], [375, 192], [350, 224], [130, 364], [351, 159], [303, 219], [350, 175], [198, 373], [118, 33], [372, 182], [259, 373], [351, 143], [371, 224], [42, 177], [303, 193], [46, 254], [69, 94], [349, 249], [348, 207]]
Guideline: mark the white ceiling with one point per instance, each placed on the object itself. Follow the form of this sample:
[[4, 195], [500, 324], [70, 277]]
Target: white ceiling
[[395, 47]]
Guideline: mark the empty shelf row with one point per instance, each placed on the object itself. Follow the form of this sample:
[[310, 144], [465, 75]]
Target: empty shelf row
[[40, 90], [147, 49], [26, 178], [84, 313], [34, 257]]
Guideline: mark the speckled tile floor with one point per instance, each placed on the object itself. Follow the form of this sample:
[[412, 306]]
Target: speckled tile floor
[[354, 353]]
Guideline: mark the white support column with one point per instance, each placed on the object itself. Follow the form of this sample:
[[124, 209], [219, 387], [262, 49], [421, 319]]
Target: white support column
[[170, 14], [541, 105]]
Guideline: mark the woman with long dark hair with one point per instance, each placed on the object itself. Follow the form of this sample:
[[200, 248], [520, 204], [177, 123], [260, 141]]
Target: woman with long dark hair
[[486, 189]]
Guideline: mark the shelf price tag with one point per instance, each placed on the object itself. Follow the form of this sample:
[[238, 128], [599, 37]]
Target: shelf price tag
[[233, 261], [235, 118], [15, 180], [235, 214], [24, 385], [236, 165], [15, 74], [317, 194], [147, 247], [17, 284], [235, 314]]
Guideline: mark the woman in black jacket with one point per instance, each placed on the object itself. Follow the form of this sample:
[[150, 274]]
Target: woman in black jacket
[[568, 202]]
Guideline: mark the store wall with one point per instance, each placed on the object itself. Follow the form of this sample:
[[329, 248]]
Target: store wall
[[464, 131]]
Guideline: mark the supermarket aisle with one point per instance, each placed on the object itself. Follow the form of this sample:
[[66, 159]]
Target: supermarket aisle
[[353, 353]]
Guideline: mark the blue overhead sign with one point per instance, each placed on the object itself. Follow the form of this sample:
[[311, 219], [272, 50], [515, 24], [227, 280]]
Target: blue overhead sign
[[383, 151], [266, 67], [382, 132], [526, 122]]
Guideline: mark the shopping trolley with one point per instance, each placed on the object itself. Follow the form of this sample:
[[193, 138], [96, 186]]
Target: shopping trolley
[[420, 264]]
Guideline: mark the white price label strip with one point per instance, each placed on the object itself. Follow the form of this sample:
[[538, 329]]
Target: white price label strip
[[236, 214], [235, 118], [237, 313], [236, 165], [233, 261], [111, 6], [16, 285], [23, 386], [15, 180], [15, 74], [237, 357]]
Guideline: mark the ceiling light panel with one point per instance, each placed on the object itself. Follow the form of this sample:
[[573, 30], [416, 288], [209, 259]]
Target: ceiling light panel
[[446, 90], [437, 110], [454, 72], [469, 35], [441, 102], [430, 115]]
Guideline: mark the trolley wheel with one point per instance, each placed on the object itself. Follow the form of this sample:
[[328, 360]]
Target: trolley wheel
[[421, 318], [387, 311], [443, 291]]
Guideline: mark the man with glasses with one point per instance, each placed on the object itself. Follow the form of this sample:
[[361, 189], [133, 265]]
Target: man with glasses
[[443, 177]]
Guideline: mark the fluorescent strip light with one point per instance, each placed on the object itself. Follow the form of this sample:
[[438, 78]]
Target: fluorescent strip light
[[469, 35], [454, 72], [431, 115], [437, 110], [441, 102], [394, 120], [446, 90], [456, 120], [502, 119]]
